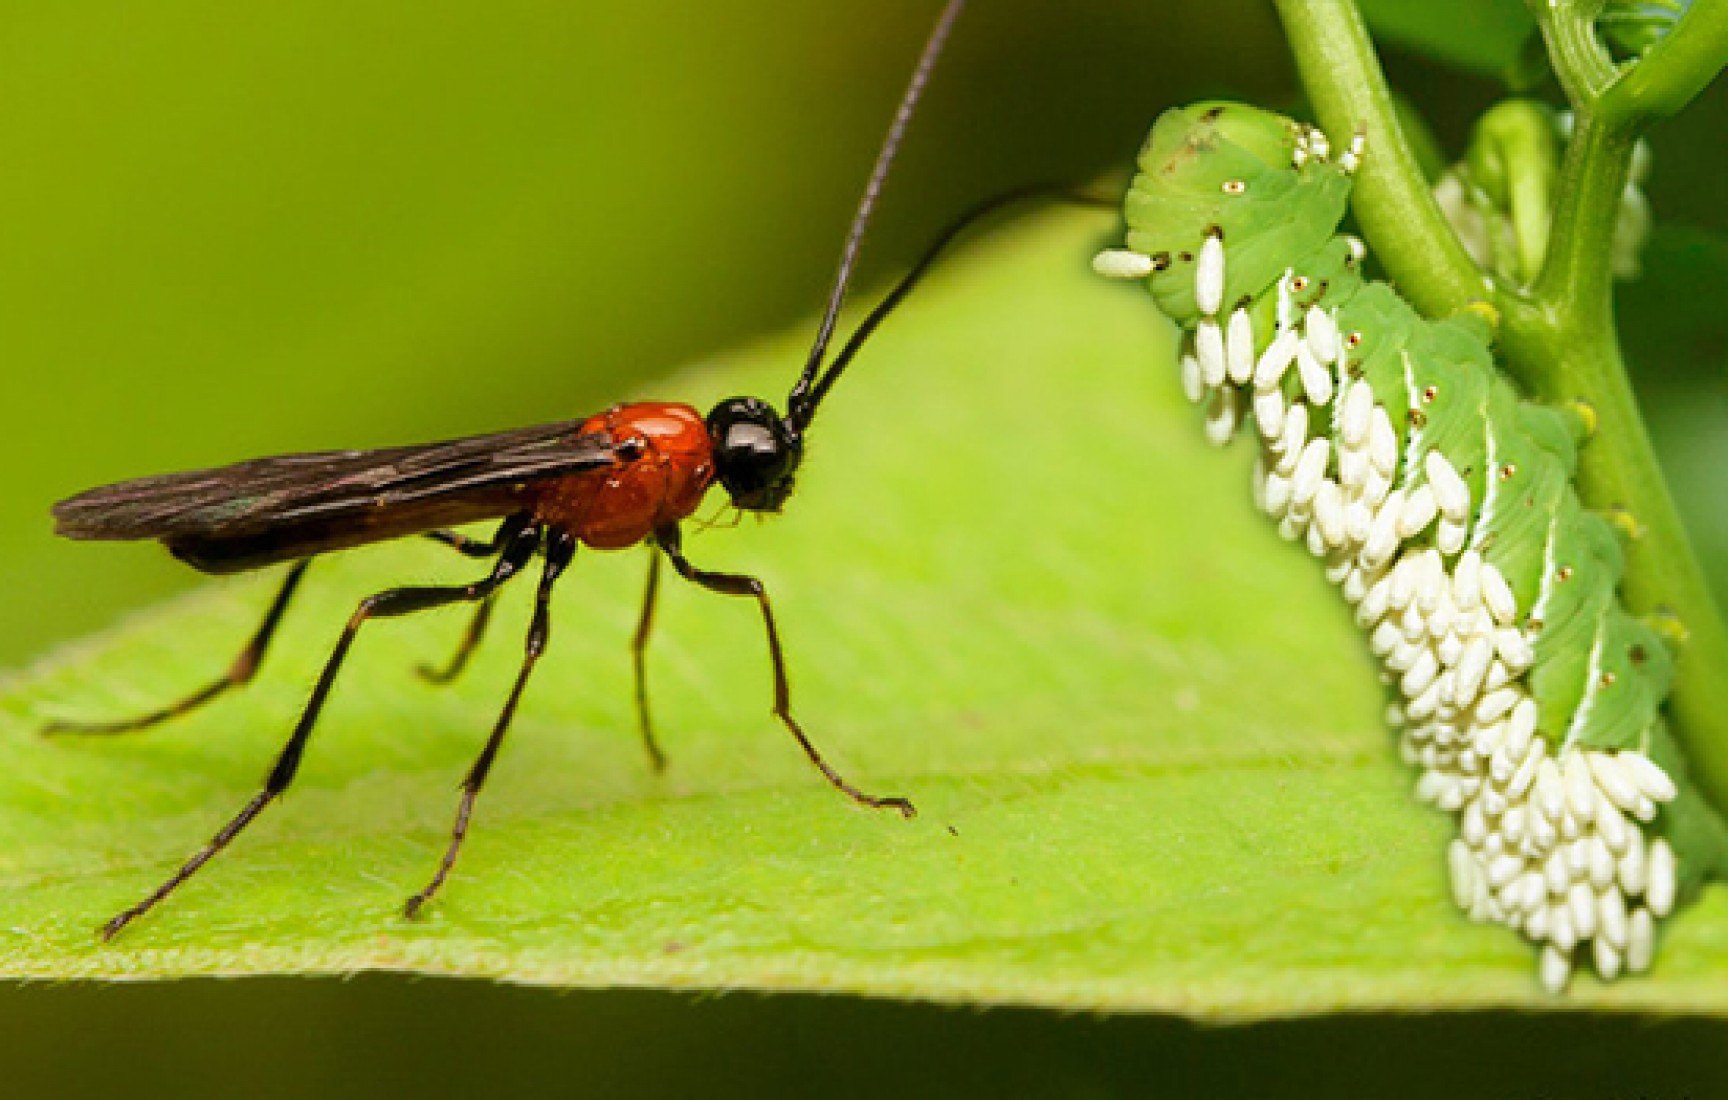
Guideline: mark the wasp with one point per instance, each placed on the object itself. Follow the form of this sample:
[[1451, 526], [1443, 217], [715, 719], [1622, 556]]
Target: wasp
[[623, 477]]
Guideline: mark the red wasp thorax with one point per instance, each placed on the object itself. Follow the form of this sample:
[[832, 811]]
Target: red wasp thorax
[[664, 462]]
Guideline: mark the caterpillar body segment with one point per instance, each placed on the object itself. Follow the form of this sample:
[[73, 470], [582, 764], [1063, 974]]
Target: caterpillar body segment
[[1443, 507]]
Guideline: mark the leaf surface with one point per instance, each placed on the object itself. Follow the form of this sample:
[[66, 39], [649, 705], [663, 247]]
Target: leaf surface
[[1015, 585]]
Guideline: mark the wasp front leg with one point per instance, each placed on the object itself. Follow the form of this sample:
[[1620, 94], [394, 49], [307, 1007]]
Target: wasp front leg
[[738, 584]]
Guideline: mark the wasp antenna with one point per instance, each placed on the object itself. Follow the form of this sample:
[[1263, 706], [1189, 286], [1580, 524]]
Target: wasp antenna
[[932, 252], [800, 404]]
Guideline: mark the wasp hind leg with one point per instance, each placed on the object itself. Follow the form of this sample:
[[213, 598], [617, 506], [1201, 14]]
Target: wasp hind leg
[[522, 540], [241, 671]]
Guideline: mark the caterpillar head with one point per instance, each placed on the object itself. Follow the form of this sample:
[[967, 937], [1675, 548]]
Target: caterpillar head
[[1261, 180]]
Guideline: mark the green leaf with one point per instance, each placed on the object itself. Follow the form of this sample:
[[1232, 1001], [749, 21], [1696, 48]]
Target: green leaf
[[1015, 585]]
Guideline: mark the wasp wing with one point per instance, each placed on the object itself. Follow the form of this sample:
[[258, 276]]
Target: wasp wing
[[269, 510]]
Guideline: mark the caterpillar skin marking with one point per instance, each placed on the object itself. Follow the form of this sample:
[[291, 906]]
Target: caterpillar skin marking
[[1442, 506]]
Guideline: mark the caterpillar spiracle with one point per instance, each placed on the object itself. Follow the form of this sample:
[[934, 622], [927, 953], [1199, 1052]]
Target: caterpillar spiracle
[[1443, 508]]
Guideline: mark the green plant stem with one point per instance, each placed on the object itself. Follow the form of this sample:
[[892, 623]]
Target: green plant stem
[[1342, 77], [1576, 284], [1559, 340], [1618, 469], [1580, 61], [1583, 361], [1676, 69]]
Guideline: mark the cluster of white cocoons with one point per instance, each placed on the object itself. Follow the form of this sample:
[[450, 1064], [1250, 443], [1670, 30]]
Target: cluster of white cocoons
[[1550, 842]]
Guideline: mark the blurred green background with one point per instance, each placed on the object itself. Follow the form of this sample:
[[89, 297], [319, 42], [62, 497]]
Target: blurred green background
[[229, 230]]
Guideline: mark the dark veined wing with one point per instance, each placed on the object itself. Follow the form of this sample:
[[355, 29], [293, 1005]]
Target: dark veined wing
[[269, 510]]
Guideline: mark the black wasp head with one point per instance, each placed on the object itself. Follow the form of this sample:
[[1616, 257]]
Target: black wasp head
[[756, 452]]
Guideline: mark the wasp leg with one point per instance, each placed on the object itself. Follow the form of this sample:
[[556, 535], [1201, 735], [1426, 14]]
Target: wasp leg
[[473, 548], [560, 548], [639, 654], [520, 547], [432, 674], [241, 671], [737, 584]]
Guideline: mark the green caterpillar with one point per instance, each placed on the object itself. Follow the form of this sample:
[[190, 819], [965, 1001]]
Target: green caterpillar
[[1442, 505]]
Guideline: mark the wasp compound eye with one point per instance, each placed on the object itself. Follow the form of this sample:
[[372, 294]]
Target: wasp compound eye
[[755, 452]]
